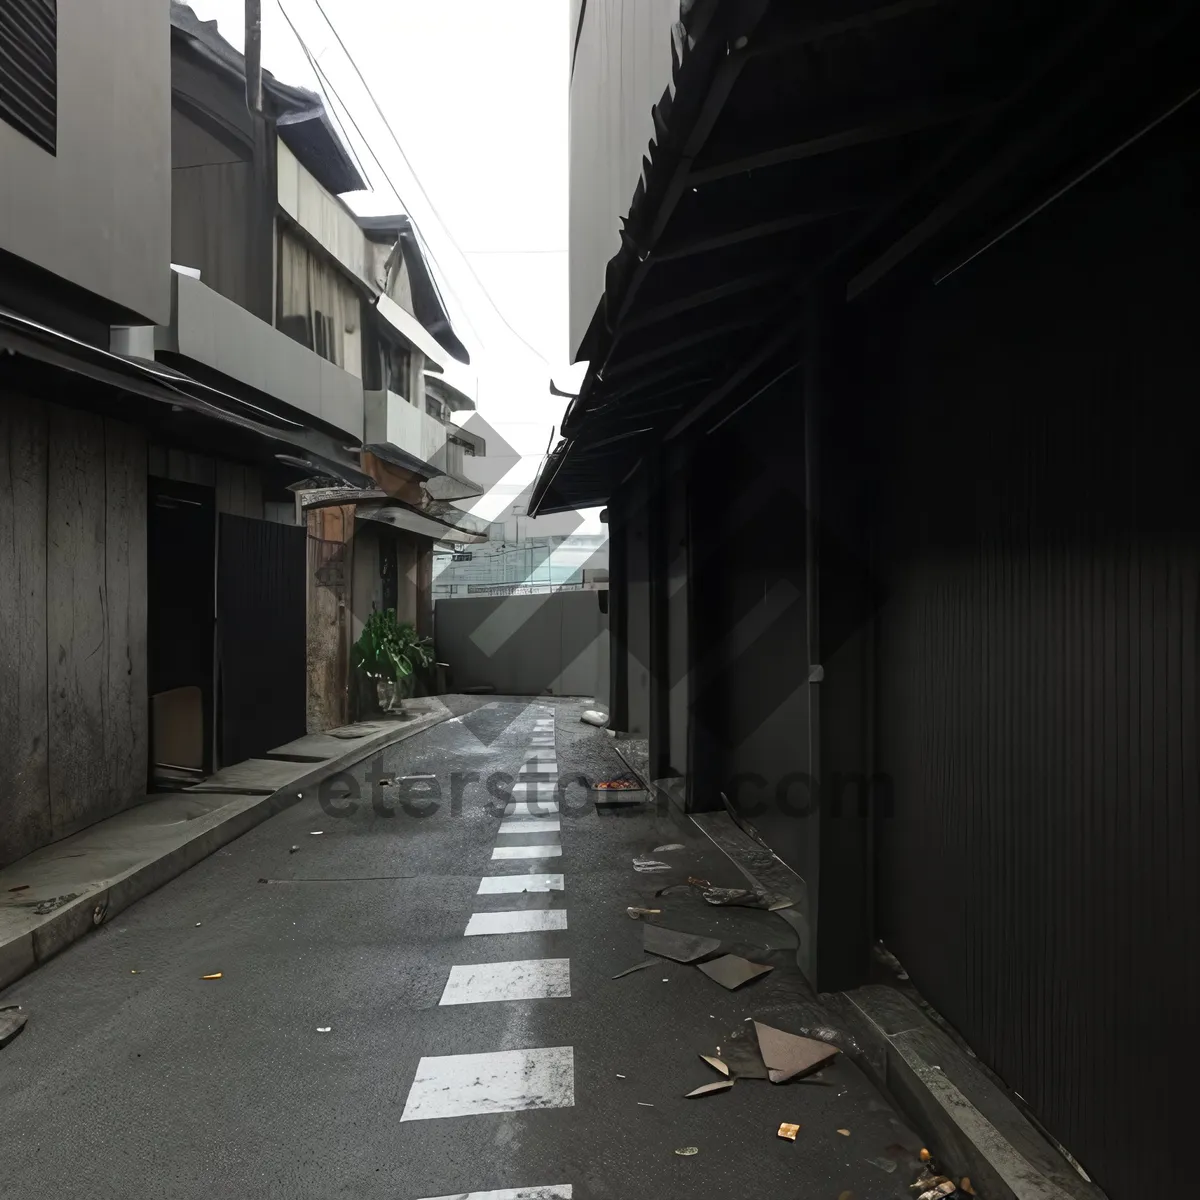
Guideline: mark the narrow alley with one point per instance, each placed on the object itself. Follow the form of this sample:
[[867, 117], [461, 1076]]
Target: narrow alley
[[420, 1001]]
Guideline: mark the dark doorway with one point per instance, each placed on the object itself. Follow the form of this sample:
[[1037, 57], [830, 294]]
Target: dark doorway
[[260, 636], [181, 527]]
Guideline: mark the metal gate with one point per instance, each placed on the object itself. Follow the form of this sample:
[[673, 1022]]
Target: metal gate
[[260, 636]]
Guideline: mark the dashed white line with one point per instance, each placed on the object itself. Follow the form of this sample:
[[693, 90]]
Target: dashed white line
[[530, 920], [530, 825], [509, 852], [504, 885], [561, 1191], [529, 979], [463, 1085]]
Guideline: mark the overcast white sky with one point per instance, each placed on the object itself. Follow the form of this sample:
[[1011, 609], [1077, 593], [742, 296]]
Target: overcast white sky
[[476, 91]]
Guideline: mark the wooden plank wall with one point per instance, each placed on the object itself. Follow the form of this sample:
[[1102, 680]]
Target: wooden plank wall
[[73, 703], [24, 753], [330, 591], [239, 488]]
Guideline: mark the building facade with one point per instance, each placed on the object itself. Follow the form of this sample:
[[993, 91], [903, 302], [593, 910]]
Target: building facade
[[195, 333], [885, 363]]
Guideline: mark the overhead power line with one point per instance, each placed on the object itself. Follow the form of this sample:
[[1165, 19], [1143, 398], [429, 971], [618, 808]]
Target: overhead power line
[[421, 187], [374, 158]]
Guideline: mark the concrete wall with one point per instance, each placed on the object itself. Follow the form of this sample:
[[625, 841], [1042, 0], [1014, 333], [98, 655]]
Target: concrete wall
[[622, 66], [73, 683], [98, 211], [216, 332], [522, 645]]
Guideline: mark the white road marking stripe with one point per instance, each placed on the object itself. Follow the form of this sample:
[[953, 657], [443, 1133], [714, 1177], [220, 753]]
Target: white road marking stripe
[[529, 979], [503, 885], [463, 1085], [528, 920], [530, 825], [526, 852], [561, 1191], [531, 808]]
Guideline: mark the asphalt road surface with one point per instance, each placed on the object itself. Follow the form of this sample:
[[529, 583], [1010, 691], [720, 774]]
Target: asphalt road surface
[[382, 1029]]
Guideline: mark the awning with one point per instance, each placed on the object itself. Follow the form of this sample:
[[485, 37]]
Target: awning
[[151, 394], [809, 151], [436, 482]]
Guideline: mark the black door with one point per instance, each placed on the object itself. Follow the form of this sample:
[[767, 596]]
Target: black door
[[260, 636], [180, 529]]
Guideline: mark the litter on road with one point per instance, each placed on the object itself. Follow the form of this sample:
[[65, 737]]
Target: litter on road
[[647, 865], [788, 1131], [788, 1056], [12, 1021], [687, 1151], [636, 967], [681, 947], [324, 1028], [732, 971], [715, 1063], [638, 913], [709, 1089], [214, 975], [672, 846]]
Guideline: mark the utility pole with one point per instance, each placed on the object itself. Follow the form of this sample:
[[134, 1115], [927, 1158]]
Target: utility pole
[[254, 56]]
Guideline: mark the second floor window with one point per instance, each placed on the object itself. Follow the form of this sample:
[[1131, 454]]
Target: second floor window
[[317, 306]]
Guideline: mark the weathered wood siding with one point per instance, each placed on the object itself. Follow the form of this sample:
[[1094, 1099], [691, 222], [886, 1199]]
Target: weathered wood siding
[[24, 798], [73, 702], [330, 575]]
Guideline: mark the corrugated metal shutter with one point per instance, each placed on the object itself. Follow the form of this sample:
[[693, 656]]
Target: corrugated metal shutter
[[29, 69]]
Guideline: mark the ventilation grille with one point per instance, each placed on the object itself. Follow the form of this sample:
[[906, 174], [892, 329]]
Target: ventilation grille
[[29, 69]]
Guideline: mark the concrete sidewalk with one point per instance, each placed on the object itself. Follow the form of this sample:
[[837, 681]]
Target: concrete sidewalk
[[54, 896]]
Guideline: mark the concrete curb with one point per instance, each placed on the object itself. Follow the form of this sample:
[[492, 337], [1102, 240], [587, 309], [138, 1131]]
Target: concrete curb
[[973, 1126], [97, 904]]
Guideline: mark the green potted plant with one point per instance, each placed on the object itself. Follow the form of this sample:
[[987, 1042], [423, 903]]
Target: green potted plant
[[390, 653]]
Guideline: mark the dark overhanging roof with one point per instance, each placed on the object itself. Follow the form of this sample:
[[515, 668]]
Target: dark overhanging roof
[[822, 150], [427, 298], [300, 115]]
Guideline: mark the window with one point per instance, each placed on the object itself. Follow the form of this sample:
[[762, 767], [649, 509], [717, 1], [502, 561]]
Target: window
[[29, 69]]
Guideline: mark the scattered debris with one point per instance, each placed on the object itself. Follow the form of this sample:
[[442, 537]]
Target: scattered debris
[[740, 1052], [844, 1132], [638, 913], [672, 846], [788, 1056], [636, 967], [324, 1028], [788, 1131], [199, 923], [55, 902], [214, 975], [646, 865], [884, 1164], [687, 1151], [731, 970], [12, 1021], [965, 1186], [709, 1089], [293, 849], [643, 1104], [925, 1156], [315, 832], [617, 785], [747, 898], [941, 1188], [681, 947], [715, 1063], [620, 1076], [21, 887], [135, 972], [594, 717]]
